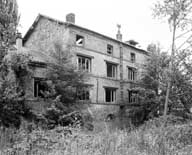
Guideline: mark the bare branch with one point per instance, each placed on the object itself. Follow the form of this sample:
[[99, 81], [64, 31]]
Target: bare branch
[[181, 35], [184, 43]]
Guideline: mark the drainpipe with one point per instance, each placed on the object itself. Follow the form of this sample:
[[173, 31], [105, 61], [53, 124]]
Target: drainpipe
[[97, 91], [119, 37]]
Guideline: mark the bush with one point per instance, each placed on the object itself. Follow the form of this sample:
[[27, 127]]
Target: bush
[[58, 114], [149, 139], [13, 72]]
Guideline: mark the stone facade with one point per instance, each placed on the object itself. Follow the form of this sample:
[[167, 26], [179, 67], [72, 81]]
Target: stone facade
[[108, 60]]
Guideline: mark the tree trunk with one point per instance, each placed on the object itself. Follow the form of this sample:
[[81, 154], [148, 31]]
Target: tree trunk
[[170, 67]]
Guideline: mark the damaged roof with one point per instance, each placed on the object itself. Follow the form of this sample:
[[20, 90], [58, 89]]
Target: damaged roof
[[31, 29]]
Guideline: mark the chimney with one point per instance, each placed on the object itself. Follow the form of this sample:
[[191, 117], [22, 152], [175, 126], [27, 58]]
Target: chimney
[[19, 41], [70, 18], [119, 35]]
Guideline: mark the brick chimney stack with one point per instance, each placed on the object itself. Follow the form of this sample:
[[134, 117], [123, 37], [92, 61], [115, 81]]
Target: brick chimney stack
[[119, 35], [70, 18]]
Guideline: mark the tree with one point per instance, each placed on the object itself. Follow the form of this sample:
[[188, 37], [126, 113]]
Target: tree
[[14, 68], [63, 82], [152, 86], [64, 75], [14, 71], [8, 25], [178, 15]]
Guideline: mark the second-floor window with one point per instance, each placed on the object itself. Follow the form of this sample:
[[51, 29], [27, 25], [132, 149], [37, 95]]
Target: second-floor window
[[133, 57], [84, 63], [109, 49], [132, 74], [111, 70], [79, 40]]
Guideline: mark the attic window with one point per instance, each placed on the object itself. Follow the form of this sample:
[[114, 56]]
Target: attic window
[[79, 40], [133, 57], [109, 49]]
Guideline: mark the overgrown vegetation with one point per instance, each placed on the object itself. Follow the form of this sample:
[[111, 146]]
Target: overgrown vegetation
[[13, 68], [46, 136], [149, 139], [8, 25], [153, 86], [63, 81], [14, 72], [64, 75], [178, 15]]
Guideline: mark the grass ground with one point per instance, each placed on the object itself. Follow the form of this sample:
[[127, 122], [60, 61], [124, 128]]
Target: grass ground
[[149, 139]]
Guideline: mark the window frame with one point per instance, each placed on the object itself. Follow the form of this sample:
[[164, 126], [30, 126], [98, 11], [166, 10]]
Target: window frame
[[82, 94], [80, 37], [133, 57], [109, 51], [131, 73], [113, 71], [87, 61], [113, 94], [132, 99], [36, 82]]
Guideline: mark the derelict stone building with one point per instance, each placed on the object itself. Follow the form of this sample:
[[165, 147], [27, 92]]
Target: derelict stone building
[[113, 65]]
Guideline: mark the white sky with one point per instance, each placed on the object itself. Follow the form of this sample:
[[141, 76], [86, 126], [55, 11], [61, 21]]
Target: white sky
[[135, 17]]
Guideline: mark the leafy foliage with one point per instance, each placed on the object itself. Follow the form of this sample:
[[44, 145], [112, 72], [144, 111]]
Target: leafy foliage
[[63, 80], [178, 10], [65, 77], [178, 14], [151, 95], [8, 25], [146, 140], [14, 70]]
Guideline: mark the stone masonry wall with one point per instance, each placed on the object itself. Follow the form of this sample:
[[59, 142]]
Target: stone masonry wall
[[48, 32]]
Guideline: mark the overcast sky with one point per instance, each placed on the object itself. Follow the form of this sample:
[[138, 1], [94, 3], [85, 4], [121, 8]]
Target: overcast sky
[[135, 17]]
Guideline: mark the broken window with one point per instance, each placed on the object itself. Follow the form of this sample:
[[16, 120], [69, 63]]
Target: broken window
[[131, 74], [133, 57], [83, 94], [39, 87], [84, 63], [109, 49], [79, 40], [111, 70], [110, 94], [132, 96]]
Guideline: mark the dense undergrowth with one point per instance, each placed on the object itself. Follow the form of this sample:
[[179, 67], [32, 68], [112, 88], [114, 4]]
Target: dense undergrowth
[[149, 139]]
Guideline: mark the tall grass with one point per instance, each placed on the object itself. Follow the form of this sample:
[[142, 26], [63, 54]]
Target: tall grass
[[148, 139]]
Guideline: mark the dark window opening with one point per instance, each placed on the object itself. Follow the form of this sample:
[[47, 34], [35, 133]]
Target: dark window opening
[[110, 49], [110, 95], [131, 74], [84, 64], [133, 57], [111, 70], [39, 87], [79, 40], [132, 96], [83, 94]]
